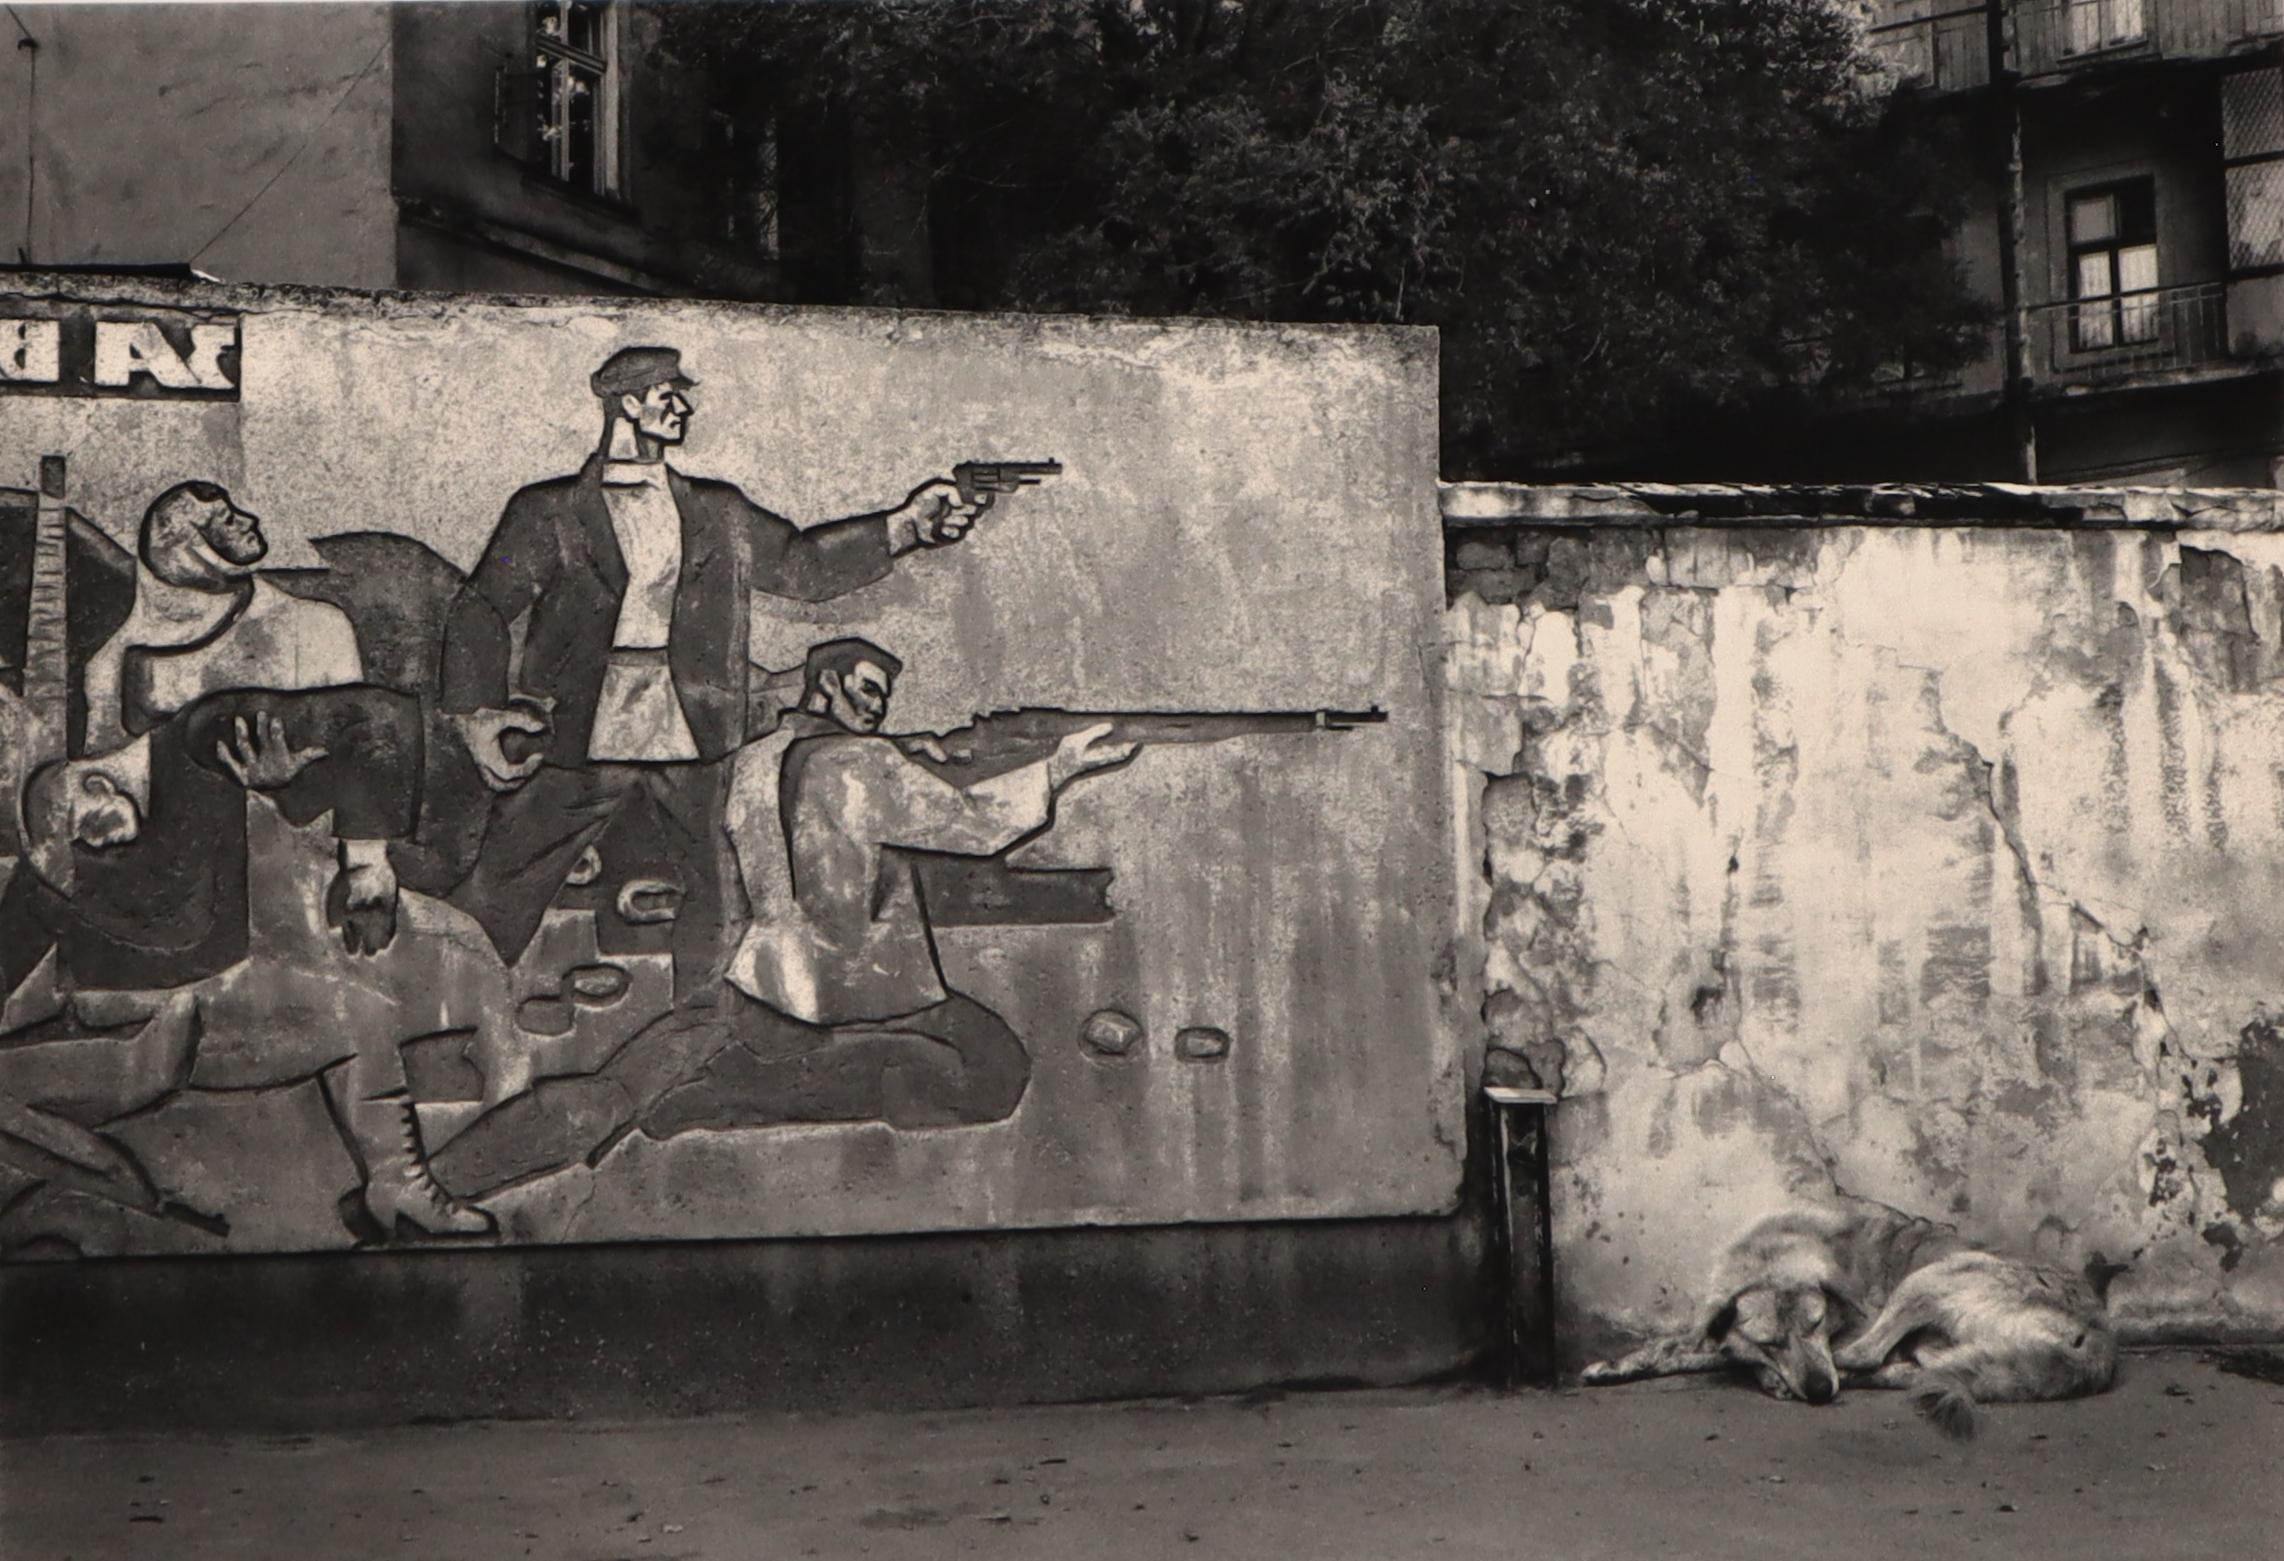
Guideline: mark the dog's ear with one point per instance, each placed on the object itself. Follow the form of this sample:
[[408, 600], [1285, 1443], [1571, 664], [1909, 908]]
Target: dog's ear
[[1718, 1320]]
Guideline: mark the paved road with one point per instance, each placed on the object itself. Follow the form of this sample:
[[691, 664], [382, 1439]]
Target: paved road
[[2181, 1461]]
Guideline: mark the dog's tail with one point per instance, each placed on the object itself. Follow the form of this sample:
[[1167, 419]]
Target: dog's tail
[[1943, 1397]]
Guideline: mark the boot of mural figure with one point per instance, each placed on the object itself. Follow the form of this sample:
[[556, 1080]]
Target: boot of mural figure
[[399, 1195]]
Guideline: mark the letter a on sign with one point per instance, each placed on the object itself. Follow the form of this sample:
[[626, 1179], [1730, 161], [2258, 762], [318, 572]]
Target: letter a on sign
[[31, 352], [125, 348]]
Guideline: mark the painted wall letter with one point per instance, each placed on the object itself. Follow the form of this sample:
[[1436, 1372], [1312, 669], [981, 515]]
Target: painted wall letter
[[31, 352], [207, 344], [125, 348]]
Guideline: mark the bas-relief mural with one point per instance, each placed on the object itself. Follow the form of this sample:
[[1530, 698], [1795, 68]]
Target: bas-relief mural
[[511, 864]]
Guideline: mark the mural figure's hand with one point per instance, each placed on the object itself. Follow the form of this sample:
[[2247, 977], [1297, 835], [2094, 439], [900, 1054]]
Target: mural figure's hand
[[486, 733], [363, 899], [1084, 751], [921, 745], [261, 756], [933, 515]]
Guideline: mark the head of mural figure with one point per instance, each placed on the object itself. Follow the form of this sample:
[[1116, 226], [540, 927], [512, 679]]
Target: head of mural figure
[[849, 683], [72, 802], [194, 536], [644, 408]]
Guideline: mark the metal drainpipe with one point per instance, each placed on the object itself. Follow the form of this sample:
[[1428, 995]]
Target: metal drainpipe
[[2022, 427], [1522, 1231]]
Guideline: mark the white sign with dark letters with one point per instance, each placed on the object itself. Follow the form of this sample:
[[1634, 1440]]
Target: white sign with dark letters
[[70, 349]]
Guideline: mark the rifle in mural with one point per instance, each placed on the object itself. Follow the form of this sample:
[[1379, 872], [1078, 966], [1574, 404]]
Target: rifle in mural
[[1003, 740]]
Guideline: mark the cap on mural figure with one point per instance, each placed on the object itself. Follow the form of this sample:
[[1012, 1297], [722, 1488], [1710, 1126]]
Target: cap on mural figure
[[632, 370]]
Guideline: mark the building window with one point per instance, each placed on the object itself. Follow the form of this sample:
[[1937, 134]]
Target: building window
[[574, 60], [2089, 26], [2113, 265]]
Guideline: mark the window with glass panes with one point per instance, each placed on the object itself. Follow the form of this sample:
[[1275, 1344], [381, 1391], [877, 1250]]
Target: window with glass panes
[[574, 53], [2089, 25], [2113, 265]]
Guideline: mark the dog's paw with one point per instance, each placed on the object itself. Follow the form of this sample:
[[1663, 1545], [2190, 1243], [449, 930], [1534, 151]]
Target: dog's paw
[[1600, 1374]]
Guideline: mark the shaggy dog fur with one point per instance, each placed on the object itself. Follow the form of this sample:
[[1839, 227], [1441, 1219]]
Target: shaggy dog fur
[[1956, 1325]]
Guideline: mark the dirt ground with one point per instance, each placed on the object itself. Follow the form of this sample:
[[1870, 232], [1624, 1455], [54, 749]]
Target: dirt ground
[[2181, 1461]]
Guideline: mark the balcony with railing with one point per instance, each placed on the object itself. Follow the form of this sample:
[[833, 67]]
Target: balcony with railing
[[1935, 45], [2159, 335], [2053, 37]]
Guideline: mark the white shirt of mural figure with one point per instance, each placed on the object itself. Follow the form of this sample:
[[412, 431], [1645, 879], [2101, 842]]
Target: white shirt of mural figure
[[638, 716]]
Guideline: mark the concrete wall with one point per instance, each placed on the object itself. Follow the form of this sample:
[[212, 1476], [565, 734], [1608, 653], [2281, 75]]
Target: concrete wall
[[1210, 984], [1920, 864], [249, 141]]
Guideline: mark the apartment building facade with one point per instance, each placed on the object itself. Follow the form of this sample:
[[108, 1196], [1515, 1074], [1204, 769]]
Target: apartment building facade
[[555, 146], [2128, 230]]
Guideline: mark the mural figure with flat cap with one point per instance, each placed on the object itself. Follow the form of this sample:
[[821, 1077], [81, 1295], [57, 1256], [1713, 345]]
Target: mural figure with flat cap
[[606, 626]]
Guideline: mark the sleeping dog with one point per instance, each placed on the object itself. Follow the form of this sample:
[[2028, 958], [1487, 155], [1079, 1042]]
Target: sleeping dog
[[1956, 1325]]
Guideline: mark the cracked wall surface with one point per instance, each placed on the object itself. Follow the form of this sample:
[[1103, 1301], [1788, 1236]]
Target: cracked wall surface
[[1924, 865]]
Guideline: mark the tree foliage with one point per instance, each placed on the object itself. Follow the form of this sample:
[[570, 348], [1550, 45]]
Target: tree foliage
[[1626, 216]]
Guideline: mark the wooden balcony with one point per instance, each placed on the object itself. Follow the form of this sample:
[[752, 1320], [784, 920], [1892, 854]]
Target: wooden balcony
[[2057, 37], [1934, 45]]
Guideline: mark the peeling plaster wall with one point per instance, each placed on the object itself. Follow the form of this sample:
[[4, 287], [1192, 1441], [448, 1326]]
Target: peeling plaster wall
[[1921, 865]]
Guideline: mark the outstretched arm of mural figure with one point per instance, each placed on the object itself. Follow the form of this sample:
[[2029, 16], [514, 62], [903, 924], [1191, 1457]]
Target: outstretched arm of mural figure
[[1083, 752], [819, 563], [935, 514]]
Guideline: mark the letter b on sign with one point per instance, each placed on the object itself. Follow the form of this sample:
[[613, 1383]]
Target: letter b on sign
[[31, 352]]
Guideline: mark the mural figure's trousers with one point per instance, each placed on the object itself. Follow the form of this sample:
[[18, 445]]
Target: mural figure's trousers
[[743, 1064], [951, 1063], [538, 831]]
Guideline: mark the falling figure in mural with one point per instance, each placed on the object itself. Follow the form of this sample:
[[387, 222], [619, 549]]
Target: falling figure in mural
[[219, 684], [604, 632], [836, 1008]]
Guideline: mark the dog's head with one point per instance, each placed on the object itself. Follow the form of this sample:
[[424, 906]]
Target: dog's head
[[1781, 1305], [1784, 1333]]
